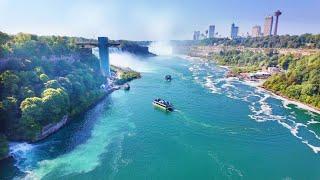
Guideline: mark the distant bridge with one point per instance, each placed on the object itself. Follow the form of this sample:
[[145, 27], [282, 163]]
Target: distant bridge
[[103, 44]]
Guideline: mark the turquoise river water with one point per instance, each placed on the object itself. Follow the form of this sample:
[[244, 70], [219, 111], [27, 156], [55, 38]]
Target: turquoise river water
[[221, 129]]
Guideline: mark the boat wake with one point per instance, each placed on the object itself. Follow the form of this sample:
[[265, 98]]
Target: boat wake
[[260, 102], [228, 170], [188, 120]]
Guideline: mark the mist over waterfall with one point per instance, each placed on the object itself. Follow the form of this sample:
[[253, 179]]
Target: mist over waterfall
[[124, 59], [161, 48]]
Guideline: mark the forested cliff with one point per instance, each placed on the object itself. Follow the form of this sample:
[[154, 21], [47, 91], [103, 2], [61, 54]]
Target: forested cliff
[[43, 78]]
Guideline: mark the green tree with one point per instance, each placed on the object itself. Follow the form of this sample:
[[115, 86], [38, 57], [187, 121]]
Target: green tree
[[55, 103], [4, 148], [44, 78], [52, 84], [9, 83], [8, 113]]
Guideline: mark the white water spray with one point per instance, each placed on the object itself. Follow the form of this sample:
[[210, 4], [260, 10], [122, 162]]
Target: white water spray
[[126, 60], [161, 48]]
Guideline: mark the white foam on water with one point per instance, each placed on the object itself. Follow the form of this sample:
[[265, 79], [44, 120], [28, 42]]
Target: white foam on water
[[17, 149], [211, 85], [303, 106], [314, 133], [23, 154], [261, 110], [312, 121], [227, 170], [85, 157], [265, 114], [228, 85], [185, 118], [315, 149], [117, 158]]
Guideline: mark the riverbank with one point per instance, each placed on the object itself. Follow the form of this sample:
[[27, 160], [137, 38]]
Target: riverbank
[[42, 84], [259, 84], [113, 85], [286, 100]]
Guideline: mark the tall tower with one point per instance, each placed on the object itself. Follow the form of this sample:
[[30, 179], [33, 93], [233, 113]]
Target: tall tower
[[276, 14], [267, 30], [256, 31], [211, 31], [196, 35], [103, 44], [234, 31]]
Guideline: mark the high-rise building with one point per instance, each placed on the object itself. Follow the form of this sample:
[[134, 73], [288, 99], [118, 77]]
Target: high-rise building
[[196, 35], [268, 21], [234, 31], [256, 31], [276, 14], [211, 31]]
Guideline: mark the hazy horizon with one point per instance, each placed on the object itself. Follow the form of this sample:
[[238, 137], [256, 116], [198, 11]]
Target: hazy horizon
[[152, 20]]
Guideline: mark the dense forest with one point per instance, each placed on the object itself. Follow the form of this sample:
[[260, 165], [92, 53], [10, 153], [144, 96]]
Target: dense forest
[[42, 79], [245, 58], [301, 80], [283, 41], [246, 61]]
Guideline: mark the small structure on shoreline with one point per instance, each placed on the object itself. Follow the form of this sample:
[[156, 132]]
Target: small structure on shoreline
[[126, 87], [265, 73], [273, 70]]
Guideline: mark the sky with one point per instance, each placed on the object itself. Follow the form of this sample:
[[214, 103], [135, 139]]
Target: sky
[[153, 19]]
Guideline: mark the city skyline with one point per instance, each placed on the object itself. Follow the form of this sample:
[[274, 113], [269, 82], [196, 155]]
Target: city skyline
[[270, 27], [151, 20]]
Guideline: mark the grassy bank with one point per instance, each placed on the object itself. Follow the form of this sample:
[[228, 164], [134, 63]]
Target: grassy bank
[[125, 74]]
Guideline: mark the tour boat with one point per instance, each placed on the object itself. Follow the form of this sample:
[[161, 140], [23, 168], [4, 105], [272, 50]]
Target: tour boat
[[168, 78], [162, 104]]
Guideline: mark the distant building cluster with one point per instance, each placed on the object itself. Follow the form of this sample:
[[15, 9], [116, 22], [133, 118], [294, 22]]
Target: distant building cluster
[[270, 28], [210, 33], [268, 25]]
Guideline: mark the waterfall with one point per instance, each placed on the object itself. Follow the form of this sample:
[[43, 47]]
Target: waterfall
[[161, 48]]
